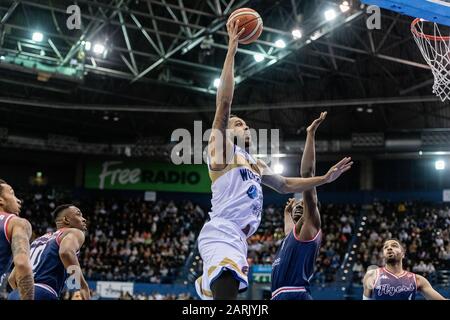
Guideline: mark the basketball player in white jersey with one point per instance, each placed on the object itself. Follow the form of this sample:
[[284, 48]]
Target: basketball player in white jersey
[[237, 198], [392, 282]]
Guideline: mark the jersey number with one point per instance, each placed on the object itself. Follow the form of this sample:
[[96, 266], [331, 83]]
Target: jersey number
[[35, 256]]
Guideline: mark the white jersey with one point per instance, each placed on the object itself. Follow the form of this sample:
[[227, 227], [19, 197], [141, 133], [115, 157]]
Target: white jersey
[[237, 193]]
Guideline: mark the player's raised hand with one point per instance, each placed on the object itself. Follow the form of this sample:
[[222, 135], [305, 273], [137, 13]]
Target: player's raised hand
[[289, 205], [316, 123], [338, 169], [234, 34]]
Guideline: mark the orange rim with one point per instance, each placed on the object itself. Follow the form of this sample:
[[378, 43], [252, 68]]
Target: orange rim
[[426, 36]]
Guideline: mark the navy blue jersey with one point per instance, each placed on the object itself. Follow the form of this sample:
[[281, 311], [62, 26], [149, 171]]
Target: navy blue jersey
[[5, 245], [388, 286], [294, 263], [48, 269]]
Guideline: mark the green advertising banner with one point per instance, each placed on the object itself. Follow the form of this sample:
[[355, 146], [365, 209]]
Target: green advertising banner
[[140, 175]]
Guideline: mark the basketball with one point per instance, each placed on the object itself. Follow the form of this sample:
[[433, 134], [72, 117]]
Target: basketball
[[251, 21]]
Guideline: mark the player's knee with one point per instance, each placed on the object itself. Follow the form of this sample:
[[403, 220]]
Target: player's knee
[[225, 287]]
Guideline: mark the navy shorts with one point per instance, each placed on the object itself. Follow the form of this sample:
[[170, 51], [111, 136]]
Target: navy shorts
[[293, 296], [39, 294]]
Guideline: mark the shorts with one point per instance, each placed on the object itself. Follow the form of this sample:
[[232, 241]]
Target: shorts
[[291, 293], [223, 247], [41, 292]]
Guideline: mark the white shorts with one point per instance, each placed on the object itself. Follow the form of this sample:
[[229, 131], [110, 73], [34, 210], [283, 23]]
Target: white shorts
[[222, 246]]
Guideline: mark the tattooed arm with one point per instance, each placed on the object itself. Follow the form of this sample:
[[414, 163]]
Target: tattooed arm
[[220, 148], [12, 279], [71, 242], [20, 230]]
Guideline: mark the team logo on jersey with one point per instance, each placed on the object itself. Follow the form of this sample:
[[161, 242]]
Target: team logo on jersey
[[387, 289], [252, 192]]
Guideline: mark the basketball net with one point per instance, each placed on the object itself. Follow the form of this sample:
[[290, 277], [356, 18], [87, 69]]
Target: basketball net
[[435, 48]]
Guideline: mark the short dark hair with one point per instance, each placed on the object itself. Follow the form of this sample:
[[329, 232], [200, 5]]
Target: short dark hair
[[57, 213], [1, 187]]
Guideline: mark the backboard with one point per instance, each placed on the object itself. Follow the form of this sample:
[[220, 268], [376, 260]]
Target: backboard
[[437, 11]]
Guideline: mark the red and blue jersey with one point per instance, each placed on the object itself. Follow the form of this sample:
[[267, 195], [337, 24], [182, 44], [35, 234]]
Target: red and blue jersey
[[48, 269], [294, 264], [5, 245], [388, 286]]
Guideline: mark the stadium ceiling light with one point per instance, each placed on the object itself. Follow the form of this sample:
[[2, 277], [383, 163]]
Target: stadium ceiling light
[[330, 14], [345, 6], [2, 58], [369, 110], [258, 57], [37, 37], [439, 165], [278, 168], [316, 35], [280, 44], [99, 48], [297, 34], [360, 109], [88, 45], [216, 83]]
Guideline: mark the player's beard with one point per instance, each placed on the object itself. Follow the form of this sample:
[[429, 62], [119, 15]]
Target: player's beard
[[393, 260]]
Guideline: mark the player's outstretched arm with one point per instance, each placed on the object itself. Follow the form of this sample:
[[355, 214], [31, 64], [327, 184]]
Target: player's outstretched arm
[[290, 185], [368, 280], [308, 169], [20, 230], [424, 286], [288, 222], [71, 242], [220, 148]]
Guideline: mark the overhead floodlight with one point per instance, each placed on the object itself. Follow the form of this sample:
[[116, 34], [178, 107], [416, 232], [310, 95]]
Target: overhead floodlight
[[280, 44], [330, 14], [99, 48], [345, 6], [296, 34], [278, 168], [259, 57], [37, 37], [439, 165], [216, 83]]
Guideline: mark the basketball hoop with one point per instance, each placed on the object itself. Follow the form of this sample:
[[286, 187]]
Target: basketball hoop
[[435, 48]]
